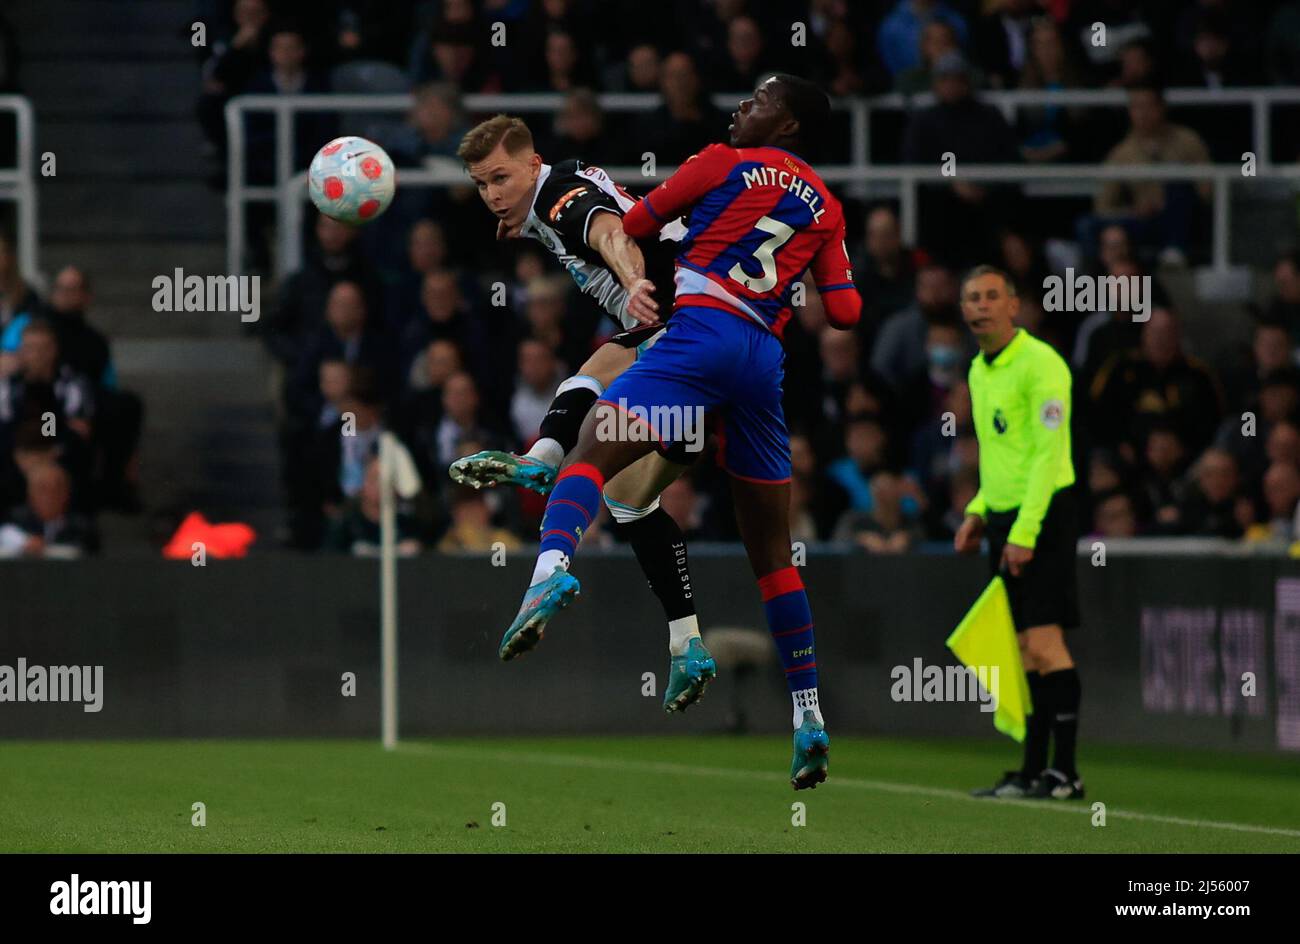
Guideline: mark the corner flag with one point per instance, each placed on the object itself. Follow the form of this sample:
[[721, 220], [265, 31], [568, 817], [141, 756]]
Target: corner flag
[[986, 637]]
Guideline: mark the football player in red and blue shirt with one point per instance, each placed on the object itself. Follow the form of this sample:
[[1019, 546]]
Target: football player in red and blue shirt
[[758, 217]]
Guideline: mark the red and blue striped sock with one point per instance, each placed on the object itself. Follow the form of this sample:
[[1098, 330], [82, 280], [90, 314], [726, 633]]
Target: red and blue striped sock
[[789, 619], [572, 507]]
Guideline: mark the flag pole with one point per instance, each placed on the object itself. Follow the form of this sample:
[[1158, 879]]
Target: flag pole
[[387, 593]]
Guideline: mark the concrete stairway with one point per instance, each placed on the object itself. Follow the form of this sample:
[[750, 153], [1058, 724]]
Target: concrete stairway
[[113, 84]]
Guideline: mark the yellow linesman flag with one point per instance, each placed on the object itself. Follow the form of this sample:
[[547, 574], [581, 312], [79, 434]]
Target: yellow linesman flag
[[986, 639]]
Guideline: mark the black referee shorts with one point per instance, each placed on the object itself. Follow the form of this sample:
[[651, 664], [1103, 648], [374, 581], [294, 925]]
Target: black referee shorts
[[1047, 590]]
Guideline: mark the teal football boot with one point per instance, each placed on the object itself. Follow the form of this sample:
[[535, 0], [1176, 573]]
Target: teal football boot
[[811, 747], [688, 675], [493, 467], [541, 602]]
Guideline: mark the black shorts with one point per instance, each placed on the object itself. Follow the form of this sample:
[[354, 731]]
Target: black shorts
[[1047, 590], [635, 337]]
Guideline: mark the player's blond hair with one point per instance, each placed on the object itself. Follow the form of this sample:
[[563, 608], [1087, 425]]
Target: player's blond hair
[[483, 138]]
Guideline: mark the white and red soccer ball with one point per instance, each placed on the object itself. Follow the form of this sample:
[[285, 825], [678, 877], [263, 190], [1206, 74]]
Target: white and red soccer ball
[[352, 180]]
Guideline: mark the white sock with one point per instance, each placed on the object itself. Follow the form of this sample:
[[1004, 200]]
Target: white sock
[[547, 561], [806, 700], [547, 450], [680, 633]]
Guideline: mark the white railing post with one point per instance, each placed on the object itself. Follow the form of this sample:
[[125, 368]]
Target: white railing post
[[289, 258], [20, 182], [284, 143], [387, 593], [907, 213], [1222, 220], [28, 244], [234, 115], [1261, 127], [860, 139]]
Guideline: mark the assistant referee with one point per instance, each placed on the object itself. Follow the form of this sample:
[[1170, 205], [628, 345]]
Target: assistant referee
[[1020, 398]]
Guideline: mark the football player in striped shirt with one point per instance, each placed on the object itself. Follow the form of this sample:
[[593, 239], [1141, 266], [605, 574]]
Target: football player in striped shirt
[[576, 211], [757, 217]]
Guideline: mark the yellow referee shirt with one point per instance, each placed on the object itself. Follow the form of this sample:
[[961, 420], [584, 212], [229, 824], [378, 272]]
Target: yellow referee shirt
[[1021, 405]]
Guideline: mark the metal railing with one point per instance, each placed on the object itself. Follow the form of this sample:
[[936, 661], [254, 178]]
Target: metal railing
[[906, 178], [287, 189], [18, 184], [1261, 100], [284, 107]]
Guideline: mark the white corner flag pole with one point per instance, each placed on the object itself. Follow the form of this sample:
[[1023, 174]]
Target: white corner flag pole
[[387, 592], [397, 476]]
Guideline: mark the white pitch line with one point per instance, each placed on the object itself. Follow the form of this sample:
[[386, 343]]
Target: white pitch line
[[883, 786]]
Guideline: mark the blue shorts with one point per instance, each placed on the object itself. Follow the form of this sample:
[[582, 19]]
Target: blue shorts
[[709, 360]]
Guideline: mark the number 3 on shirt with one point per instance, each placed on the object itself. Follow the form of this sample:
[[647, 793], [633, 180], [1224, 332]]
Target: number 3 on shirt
[[764, 254]]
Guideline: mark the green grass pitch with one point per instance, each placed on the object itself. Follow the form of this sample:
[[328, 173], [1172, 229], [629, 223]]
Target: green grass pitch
[[612, 794]]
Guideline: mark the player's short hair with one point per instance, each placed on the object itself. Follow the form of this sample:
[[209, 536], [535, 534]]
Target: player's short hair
[[979, 270], [809, 105], [483, 138]]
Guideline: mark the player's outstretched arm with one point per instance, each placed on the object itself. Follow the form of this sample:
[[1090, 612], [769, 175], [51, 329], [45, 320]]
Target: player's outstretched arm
[[624, 258], [833, 277]]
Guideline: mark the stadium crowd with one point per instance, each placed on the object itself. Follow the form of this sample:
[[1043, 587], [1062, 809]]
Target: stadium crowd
[[397, 326], [422, 324], [68, 433]]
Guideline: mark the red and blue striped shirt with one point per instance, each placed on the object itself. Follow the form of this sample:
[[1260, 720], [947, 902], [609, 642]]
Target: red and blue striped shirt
[[757, 220]]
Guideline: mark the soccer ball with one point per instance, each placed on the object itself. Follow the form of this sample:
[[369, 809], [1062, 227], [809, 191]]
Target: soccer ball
[[351, 180]]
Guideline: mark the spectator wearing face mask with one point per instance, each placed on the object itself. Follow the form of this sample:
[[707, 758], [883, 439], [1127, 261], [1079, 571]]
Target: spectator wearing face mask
[[900, 344], [946, 359]]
